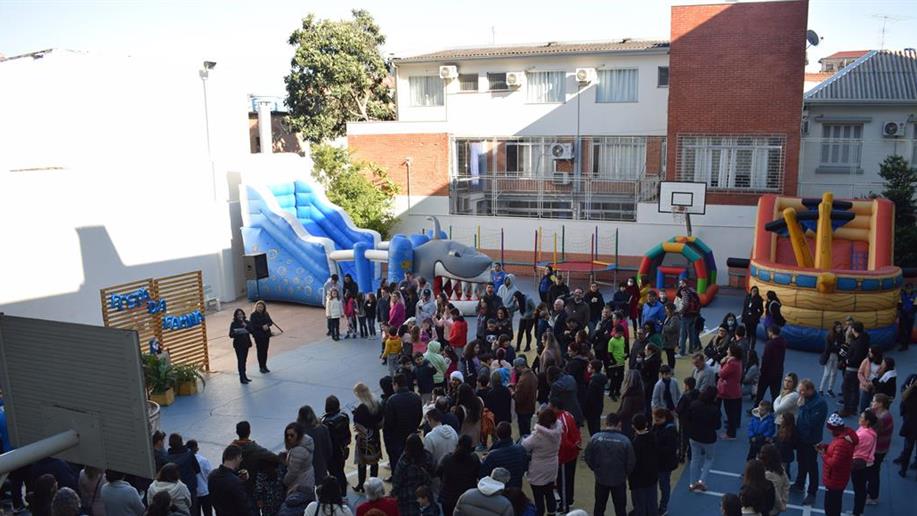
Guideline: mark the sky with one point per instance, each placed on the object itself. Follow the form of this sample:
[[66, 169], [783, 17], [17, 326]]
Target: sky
[[254, 33]]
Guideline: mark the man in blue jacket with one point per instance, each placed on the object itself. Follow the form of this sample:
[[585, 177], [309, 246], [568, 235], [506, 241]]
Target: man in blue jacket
[[810, 422], [504, 453], [610, 455], [653, 311]]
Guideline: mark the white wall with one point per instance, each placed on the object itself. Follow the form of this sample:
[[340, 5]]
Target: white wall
[[813, 179], [105, 178], [728, 230], [485, 113]]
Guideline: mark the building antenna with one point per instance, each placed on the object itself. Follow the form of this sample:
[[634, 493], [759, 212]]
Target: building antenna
[[885, 19], [493, 35]]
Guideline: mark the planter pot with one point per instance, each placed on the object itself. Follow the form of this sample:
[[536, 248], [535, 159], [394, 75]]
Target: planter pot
[[153, 414], [187, 388], [164, 399]]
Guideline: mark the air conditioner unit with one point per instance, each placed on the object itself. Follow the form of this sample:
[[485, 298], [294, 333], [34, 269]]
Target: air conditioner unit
[[893, 129], [562, 150], [448, 72], [514, 79], [561, 178], [585, 75]]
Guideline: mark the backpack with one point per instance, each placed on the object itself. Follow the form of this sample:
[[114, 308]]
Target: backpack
[[488, 423], [691, 302], [569, 439]]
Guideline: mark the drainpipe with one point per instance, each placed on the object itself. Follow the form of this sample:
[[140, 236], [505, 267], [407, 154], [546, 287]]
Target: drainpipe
[[407, 165], [264, 126]]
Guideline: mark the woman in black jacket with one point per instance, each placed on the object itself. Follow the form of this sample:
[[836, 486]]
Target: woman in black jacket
[[752, 311], [667, 444], [458, 472], [703, 420], [338, 424], [261, 330], [240, 333]]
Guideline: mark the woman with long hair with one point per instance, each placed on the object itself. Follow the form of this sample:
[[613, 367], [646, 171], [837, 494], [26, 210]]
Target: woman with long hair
[[504, 322], [871, 369], [632, 400], [702, 423], [458, 472], [168, 480], [300, 447], [396, 311], [414, 469], [787, 401], [787, 440], [773, 316], [469, 409], [830, 356], [261, 331], [761, 493], [550, 352], [160, 505], [773, 471], [752, 310], [367, 422], [330, 502], [544, 445], [240, 333], [729, 389]]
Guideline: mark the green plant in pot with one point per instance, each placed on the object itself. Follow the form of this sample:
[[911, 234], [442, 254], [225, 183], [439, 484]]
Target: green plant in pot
[[186, 377], [160, 379]]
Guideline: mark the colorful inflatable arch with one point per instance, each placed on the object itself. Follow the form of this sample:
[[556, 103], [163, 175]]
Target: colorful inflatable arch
[[827, 260], [701, 267]]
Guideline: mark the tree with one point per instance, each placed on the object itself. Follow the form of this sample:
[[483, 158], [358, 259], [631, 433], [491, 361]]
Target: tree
[[363, 189], [337, 76], [900, 187]]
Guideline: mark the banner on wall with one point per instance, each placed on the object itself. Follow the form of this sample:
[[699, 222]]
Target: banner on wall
[[167, 313]]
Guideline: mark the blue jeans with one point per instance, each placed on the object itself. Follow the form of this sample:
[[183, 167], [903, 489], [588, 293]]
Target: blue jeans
[[702, 455], [644, 500], [665, 489], [688, 331], [865, 400]]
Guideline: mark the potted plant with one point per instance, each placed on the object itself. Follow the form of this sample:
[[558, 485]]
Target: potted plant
[[186, 377], [160, 380]]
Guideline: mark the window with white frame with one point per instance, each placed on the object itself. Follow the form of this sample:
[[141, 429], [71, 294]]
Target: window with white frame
[[732, 162], [841, 146], [618, 85], [468, 82], [621, 158], [545, 87], [426, 90], [519, 159]]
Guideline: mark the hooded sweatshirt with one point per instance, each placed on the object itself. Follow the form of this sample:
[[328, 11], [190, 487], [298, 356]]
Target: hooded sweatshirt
[[544, 445], [440, 441], [438, 361], [181, 497], [506, 292], [486, 499]]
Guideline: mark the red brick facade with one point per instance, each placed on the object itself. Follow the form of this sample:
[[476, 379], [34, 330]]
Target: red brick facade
[[429, 155], [738, 69]]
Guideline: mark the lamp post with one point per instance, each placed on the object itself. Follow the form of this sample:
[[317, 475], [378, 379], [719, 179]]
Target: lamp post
[[204, 73]]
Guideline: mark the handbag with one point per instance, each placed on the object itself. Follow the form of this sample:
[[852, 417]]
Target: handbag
[[370, 452]]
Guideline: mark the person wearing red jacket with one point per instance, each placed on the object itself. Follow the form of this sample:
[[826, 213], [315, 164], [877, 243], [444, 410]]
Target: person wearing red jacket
[[838, 463], [570, 445], [729, 389], [458, 333]]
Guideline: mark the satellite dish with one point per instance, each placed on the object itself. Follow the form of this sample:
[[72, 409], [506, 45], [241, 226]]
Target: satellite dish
[[812, 37]]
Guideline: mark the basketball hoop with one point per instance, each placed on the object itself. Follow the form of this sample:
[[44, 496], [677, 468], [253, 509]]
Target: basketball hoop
[[679, 213]]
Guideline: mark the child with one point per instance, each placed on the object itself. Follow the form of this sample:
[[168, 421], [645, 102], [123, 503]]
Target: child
[[752, 373], [427, 333], [665, 392], [761, 428], [407, 369], [506, 343], [333, 311], [681, 409], [423, 371], [787, 440], [392, 350], [595, 397], [617, 353], [361, 315], [369, 310], [667, 448], [501, 365], [269, 489], [350, 312], [425, 501]]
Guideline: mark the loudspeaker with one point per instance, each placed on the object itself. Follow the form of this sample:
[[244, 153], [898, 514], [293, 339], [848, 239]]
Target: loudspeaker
[[255, 266]]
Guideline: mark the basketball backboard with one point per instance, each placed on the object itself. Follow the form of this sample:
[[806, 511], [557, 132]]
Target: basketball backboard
[[61, 376], [682, 197]]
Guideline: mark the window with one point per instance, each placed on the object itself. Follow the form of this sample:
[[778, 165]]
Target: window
[[468, 82], [662, 77], [841, 146], [519, 159], [426, 90], [497, 81], [733, 162], [617, 86], [545, 87], [619, 158]]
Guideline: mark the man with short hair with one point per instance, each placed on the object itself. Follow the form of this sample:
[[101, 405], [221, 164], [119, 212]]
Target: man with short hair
[[492, 300], [254, 458], [227, 485], [120, 498], [857, 351], [525, 392], [403, 414], [203, 506], [504, 453], [188, 467], [441, 439], [610, 456], [703, 374], [771, 364], [487, 498], [596, 303], [558, 319], [578, 310], [810, 422], [653, 311], [690, 311]]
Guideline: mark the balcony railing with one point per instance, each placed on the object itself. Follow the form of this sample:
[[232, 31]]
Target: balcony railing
[[560, 197]]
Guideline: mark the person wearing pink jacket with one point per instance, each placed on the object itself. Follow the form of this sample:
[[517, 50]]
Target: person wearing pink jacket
[[863, 456], [729, 389]]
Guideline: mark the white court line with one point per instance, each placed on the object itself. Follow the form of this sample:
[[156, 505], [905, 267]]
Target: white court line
[[806, 509], [736, 475]]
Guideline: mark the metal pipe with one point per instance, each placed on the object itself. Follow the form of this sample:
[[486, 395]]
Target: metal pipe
[[265, 132], [47, 447]]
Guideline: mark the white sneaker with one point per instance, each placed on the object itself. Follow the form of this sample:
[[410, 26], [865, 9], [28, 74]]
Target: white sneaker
[[677, 355]]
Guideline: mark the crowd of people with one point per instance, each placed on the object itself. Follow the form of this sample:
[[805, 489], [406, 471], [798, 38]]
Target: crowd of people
[[452, 393]]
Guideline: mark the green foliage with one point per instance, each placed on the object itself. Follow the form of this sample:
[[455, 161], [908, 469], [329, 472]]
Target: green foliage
[[900, 188], [363, 189], [337, 76], [189, 373], [158, 374]]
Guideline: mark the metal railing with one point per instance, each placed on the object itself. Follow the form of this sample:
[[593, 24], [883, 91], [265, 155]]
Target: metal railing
[[559, 197]]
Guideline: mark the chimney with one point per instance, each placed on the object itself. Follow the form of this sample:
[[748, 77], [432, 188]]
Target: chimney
[[264, 125]]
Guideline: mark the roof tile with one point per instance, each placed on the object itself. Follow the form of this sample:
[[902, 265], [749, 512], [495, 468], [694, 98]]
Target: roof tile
[[550, 48], [878, 76]]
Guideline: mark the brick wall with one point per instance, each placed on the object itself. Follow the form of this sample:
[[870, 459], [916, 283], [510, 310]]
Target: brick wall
[[429, 155], [738, 68]]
